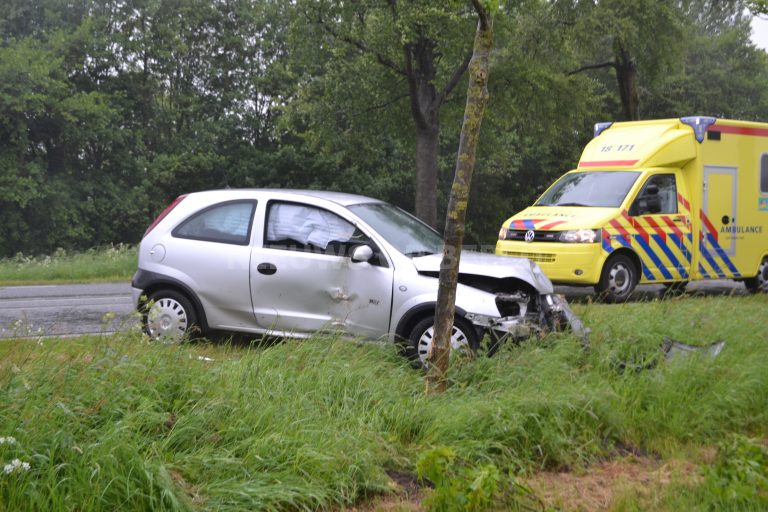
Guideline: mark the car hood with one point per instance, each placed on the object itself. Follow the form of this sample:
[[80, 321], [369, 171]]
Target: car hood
[[491, 265]]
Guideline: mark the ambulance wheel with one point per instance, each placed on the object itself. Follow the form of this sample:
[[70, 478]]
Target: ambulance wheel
[[759, 283], [618, 279]]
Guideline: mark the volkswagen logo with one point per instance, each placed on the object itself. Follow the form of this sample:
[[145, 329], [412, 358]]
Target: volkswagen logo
[[529, 235]]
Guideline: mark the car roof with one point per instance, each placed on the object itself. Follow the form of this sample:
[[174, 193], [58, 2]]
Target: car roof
[[341, 198]]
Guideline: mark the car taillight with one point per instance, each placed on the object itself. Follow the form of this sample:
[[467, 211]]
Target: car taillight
[[164, 213]]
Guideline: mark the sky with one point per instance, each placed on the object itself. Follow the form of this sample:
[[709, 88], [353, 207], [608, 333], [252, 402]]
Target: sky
[[760, 32]]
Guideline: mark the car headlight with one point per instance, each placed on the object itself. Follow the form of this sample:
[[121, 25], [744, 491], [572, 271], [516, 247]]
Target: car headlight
[[503, 232], [580, 236]]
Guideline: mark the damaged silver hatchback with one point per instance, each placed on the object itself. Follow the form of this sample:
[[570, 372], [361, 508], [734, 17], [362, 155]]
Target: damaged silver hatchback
[[295, 262]]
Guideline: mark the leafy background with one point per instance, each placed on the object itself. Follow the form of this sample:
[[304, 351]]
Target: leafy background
[[111, 108]]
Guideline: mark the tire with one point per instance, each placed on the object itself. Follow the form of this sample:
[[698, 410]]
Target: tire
[[618, 279], [463, 336], [169, 317], [759, 283], [674, 289]]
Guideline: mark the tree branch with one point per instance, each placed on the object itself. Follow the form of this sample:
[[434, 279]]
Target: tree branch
[[593, 66], [393, 7], [361, 46], [413, 87], [482, 14], [386, 103], [453, 82]]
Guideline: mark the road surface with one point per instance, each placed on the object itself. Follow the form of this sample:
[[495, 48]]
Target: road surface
[[61, 310], [65, 309]]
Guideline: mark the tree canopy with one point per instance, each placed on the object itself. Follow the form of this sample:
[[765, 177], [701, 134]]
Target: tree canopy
[[111, 108]]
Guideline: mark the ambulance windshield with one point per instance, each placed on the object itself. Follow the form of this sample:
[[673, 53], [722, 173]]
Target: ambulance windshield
[[605, 189]]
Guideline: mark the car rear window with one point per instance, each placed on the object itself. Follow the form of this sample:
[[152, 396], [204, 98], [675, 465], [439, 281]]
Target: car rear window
[[228, 223]]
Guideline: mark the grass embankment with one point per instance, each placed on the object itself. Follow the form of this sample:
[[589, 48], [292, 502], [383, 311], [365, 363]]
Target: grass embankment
[[113, 263], [117, 423]]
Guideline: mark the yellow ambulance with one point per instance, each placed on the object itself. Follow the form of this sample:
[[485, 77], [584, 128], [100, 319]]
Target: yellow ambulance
[[664, 201]]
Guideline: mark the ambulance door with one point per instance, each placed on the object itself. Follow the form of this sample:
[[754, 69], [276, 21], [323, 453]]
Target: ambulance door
[[718, 222], [662, 229]]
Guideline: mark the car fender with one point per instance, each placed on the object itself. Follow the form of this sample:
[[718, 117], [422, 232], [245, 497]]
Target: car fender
[[147, 282], [468, 301]]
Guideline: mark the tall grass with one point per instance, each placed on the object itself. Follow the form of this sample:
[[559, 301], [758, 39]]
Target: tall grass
[[117, 422], [111, 263]]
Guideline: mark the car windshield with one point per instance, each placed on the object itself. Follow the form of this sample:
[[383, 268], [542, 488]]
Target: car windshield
[[594, 188], [402, 230]]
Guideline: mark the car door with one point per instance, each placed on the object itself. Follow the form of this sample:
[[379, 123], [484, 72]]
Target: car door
[[212, 248], [662, 229], [303, 279]]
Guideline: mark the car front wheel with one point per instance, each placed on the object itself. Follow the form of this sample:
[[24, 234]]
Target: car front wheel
[[169, 316], [463, 338]]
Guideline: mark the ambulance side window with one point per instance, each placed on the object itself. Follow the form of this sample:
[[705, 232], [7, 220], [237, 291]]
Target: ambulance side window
[[658, 196], [764, 174]]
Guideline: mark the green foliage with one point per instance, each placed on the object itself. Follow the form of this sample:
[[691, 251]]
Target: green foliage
[[110, 110], [739, 476], [110, 263], [722, 89], [758, 6], [456, 487]]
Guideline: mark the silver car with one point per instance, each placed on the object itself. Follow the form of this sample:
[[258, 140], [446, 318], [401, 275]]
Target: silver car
[[295, 262]]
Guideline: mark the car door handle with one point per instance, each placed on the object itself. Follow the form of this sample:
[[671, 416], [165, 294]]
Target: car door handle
[[266, 268]]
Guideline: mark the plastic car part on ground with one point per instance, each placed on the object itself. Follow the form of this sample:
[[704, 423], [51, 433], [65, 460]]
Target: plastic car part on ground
[[673, 350]]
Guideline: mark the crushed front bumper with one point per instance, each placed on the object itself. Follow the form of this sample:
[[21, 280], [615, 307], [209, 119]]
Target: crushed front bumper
[[554, 314]]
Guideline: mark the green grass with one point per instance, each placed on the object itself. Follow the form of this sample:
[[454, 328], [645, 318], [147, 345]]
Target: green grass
[[112, 263], [118, 423]]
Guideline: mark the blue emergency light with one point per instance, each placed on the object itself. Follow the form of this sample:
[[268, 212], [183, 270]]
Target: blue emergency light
[[600, 127], [699, 125]]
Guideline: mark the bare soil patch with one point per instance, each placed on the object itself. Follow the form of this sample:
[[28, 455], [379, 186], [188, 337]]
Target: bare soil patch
[[596, 487]]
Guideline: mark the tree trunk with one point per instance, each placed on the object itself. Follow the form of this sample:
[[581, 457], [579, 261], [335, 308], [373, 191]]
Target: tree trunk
[[626, 75], [427, 147], [477, 98], [421, 57], [425, 110]]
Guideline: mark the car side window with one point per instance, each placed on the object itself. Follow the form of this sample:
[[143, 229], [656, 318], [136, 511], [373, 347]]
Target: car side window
[[658, 196], [307, 228], [228, 223]]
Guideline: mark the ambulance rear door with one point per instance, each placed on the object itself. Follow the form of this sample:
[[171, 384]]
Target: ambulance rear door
[[718, 222]]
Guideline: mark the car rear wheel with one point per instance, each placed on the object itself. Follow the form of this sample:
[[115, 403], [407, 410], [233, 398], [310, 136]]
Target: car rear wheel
[[169, 316], [463, 338], [759, 283], [618, 279]]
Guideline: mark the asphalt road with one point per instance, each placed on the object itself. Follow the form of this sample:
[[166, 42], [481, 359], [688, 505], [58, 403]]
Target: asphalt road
[[61, 310], [69, 309]]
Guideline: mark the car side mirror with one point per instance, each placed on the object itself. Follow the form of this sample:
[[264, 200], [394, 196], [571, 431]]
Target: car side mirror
[[361, 253]]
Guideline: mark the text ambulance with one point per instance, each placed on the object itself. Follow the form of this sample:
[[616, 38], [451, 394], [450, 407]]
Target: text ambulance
[[666, 201]]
